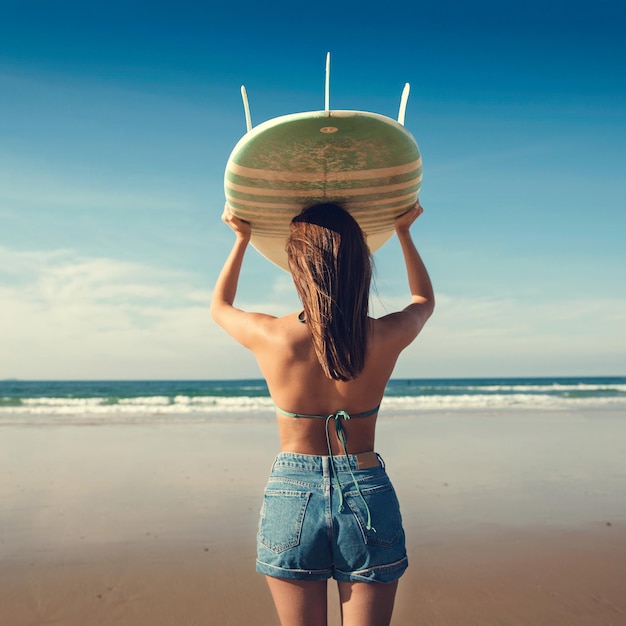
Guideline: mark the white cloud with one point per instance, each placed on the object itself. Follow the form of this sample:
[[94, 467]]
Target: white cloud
[[65, 316], [507, 337]]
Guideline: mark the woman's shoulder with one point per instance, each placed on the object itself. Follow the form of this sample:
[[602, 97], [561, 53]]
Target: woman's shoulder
[[393, 331], [285, 334], [282, 324]]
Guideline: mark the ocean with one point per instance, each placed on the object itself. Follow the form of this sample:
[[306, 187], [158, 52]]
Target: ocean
[[89, 402]]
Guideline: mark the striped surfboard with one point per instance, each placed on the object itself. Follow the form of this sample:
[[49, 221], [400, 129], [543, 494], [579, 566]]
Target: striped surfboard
[[365, 162]]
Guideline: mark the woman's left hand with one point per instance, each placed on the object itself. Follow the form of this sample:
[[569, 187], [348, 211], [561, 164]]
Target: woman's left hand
[[240, 227], [404, 221]]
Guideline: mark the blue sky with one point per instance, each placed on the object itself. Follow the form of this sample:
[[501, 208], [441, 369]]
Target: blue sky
[[117, 118]]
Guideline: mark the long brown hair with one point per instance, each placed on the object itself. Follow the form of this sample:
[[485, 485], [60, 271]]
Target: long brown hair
[[332, 269]]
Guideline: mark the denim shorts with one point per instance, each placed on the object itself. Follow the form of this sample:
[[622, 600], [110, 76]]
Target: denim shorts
[[308, 531]]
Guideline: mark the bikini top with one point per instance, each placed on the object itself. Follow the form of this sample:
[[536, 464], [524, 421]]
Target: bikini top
[[337, 415], [341, 435]]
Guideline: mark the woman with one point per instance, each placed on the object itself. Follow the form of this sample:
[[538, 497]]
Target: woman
[[329, 509]]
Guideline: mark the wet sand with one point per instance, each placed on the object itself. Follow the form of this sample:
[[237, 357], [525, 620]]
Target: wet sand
[[516, 518]]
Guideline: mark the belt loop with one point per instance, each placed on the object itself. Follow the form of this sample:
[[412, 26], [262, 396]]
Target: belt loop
[[326, 467]]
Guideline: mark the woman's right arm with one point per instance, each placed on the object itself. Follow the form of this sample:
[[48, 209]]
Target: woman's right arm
[[410, 321]]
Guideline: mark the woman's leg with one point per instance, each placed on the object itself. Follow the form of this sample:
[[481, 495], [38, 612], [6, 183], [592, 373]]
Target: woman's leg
[[299, 602], [367, 604]]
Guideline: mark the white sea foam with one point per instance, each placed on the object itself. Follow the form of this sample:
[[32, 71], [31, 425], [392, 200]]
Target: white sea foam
[[147, 406], [493, 401], [198, 408], [545, 388]]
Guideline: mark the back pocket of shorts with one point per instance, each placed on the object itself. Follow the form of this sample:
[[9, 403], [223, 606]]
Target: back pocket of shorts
[[282, 516], [385, 514]]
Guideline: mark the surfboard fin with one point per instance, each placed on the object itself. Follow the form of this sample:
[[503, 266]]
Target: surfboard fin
[[246, 108], [403, 100], [327, 85]]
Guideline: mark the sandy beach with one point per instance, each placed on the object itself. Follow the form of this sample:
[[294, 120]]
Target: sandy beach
[[512, 518]]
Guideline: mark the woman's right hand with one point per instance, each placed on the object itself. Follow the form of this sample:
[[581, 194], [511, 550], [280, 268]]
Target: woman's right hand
[[404, 221]]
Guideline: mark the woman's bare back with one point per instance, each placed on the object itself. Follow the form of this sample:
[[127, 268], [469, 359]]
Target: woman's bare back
[[298, 384]]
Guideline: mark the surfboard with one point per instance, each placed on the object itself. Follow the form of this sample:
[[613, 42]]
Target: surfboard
[[366, 162]]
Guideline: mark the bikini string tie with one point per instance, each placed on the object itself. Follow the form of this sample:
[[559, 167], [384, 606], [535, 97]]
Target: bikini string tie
[[341, 435]]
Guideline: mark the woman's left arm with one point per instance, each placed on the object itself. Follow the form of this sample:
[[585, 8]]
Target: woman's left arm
[[242, 326]]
